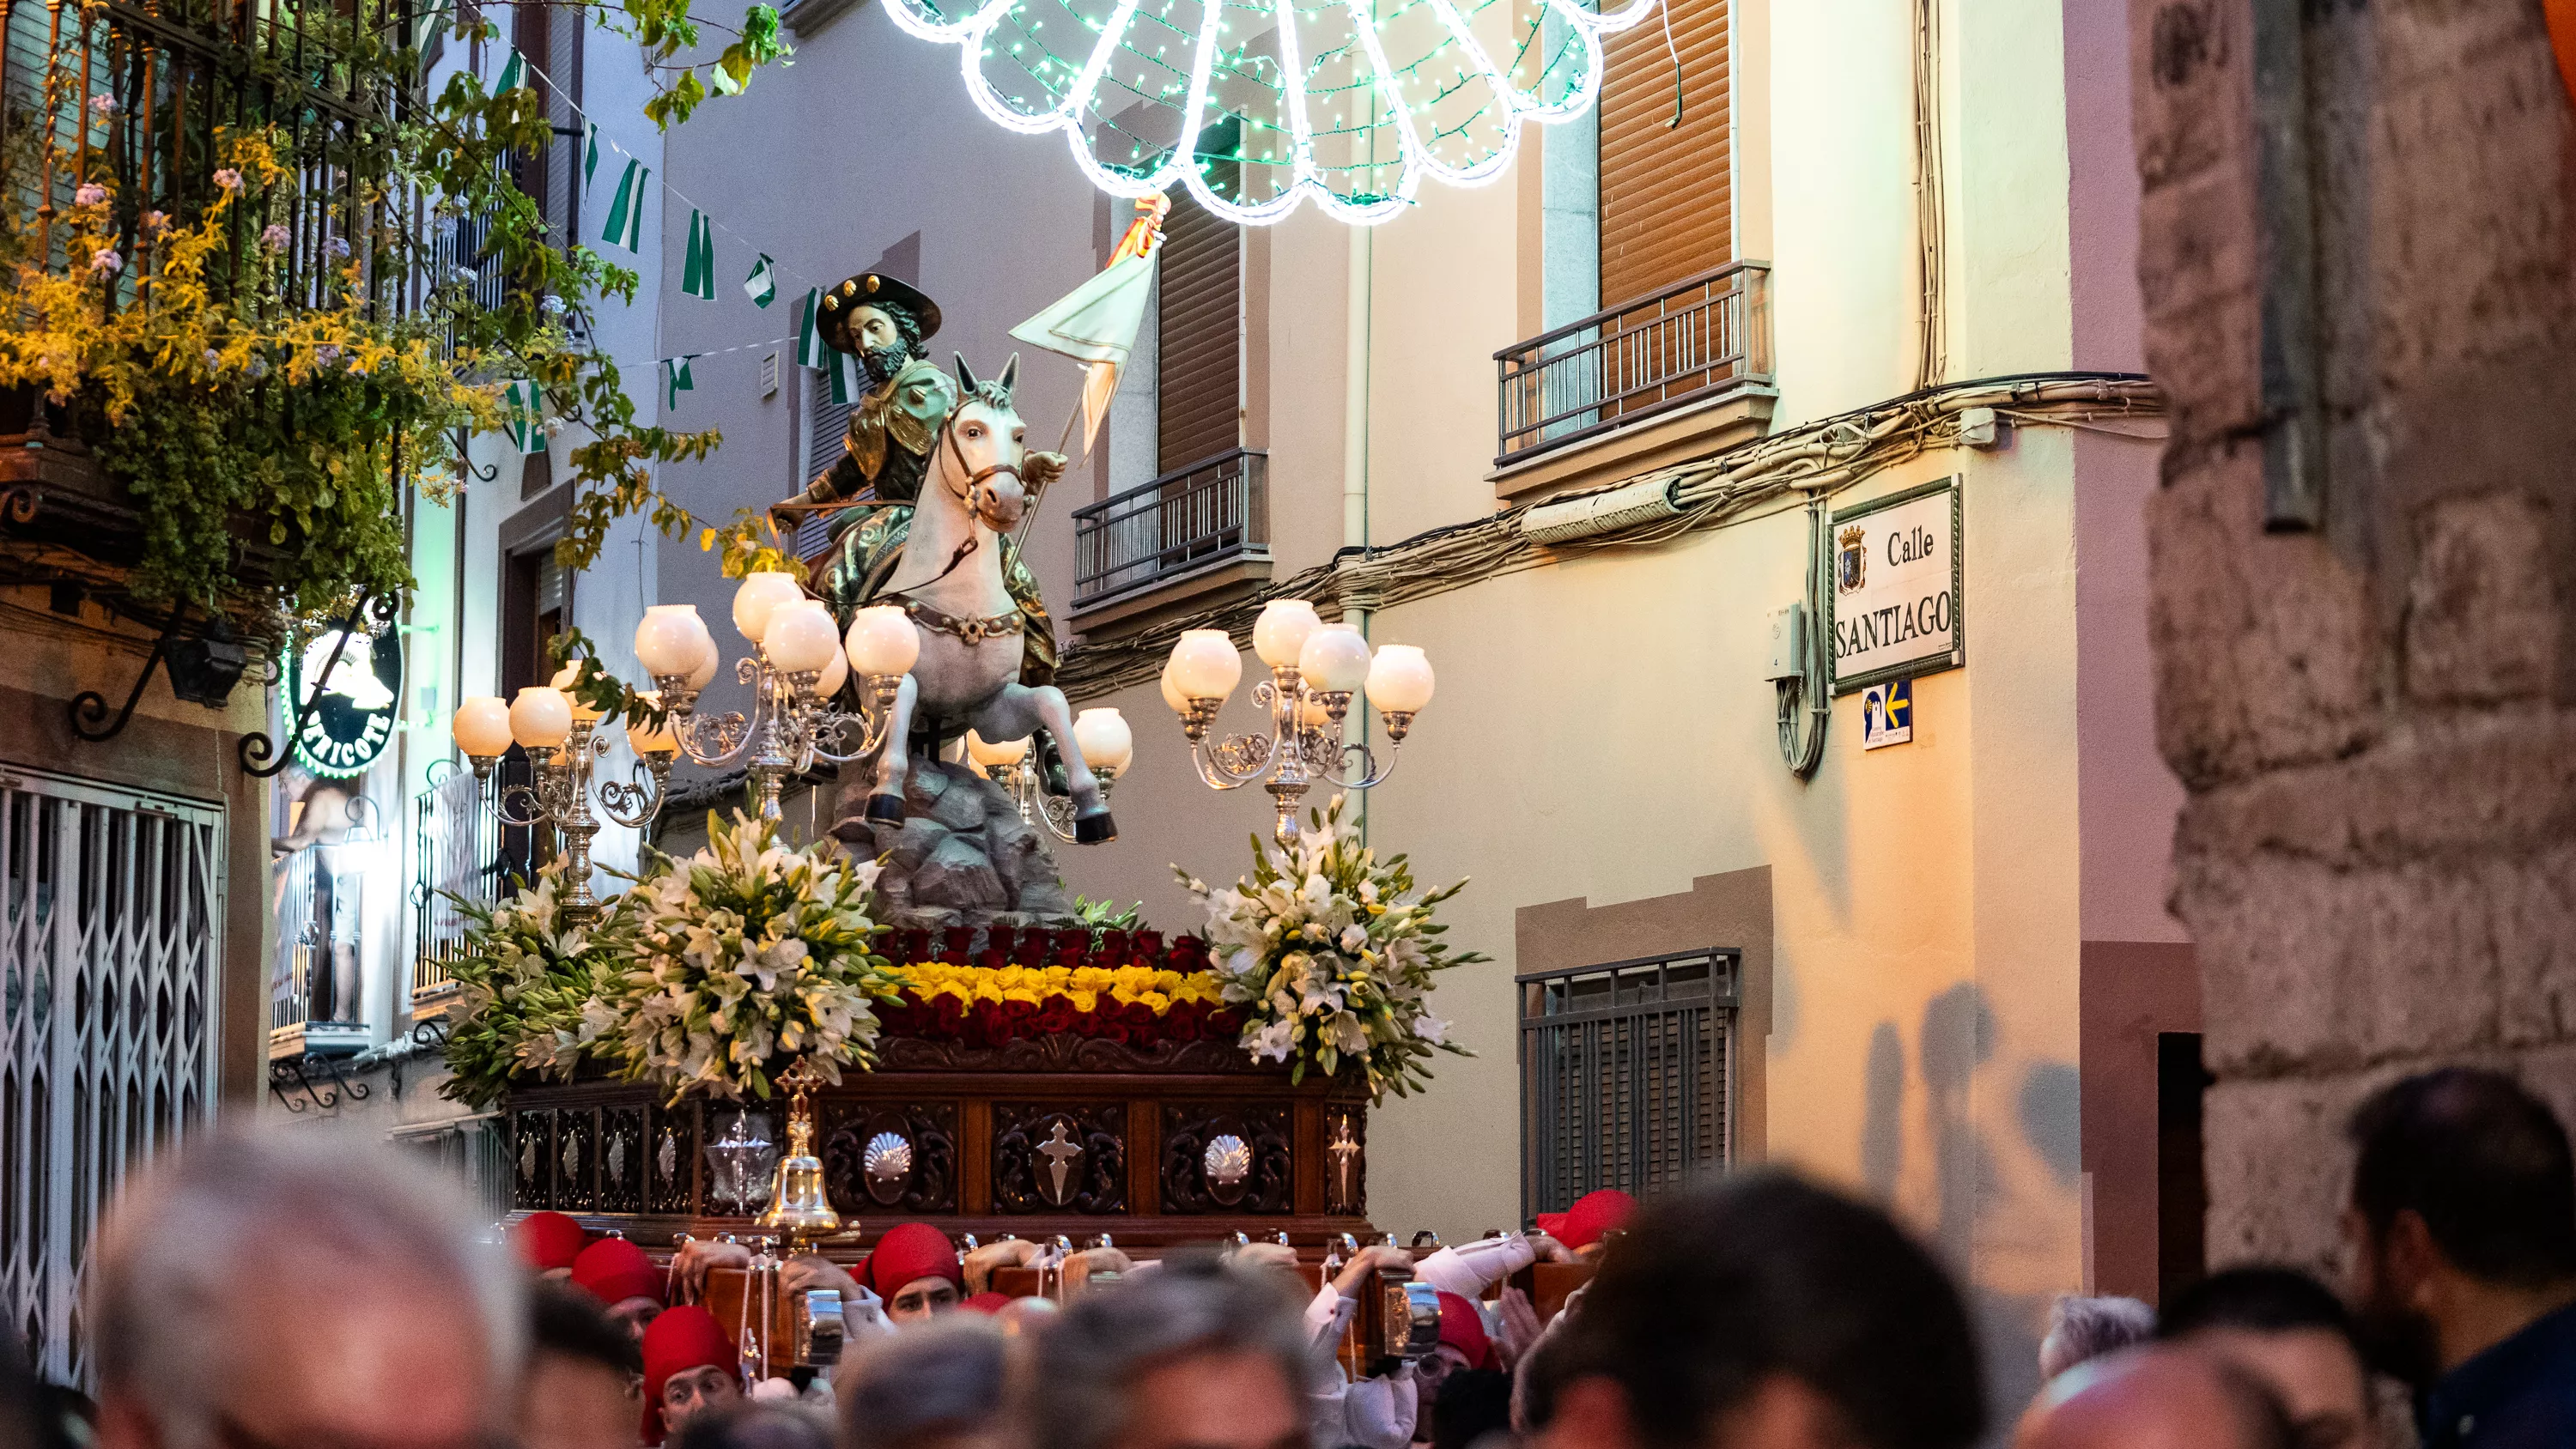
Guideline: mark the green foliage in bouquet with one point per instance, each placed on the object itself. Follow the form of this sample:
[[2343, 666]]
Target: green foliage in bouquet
[[1328, 953], [745, 954], [526, 975]]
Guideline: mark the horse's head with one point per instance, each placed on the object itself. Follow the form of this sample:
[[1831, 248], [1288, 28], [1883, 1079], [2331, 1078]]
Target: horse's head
[[983, 446]]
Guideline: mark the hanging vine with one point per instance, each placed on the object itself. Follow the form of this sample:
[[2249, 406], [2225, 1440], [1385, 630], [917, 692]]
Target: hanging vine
[[266, 330]]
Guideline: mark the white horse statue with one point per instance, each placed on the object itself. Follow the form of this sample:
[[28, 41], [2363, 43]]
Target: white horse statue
[[950, 582]]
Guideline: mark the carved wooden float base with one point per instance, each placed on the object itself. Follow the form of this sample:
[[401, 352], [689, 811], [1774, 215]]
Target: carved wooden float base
[[1179, 1143]]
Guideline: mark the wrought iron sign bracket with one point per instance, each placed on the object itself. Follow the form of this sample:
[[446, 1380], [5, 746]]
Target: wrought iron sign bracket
[[91, 706], [260, 756], [288, 1077]]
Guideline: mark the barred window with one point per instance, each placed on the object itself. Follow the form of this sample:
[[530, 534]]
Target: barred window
[[1627, 1075]]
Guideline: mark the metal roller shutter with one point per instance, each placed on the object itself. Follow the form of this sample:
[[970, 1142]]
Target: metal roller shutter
[[1667, 192], [1199, 349]]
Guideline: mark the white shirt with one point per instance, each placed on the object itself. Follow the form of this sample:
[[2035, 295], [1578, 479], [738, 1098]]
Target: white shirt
[[1376, 1413], [1471, 1269]]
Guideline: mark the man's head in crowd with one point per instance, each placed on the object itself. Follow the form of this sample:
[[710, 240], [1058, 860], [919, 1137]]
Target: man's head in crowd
[[625, 1282], [548, 1243], [915, 1270], [1194, 1356], [2083, 1328], [1763, 1311], [2156, 1398], [1464, 1345], [579, 1392], [757, 1426], [2462, 1227], [2290, 1331], [939, 1386], [690, 1368], [223, 1309]]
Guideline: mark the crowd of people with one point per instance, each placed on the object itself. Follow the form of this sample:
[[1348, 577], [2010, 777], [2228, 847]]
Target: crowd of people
[[289, 1291]]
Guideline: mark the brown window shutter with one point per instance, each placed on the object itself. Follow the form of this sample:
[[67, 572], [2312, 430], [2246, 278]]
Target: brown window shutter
[[1667, 192], [1198, 358]]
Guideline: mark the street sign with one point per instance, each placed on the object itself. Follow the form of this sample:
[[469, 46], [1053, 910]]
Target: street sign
[[1887, 714], [1899, 595]]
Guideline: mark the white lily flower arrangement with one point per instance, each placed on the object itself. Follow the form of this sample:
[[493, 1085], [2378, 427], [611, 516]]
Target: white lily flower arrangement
[[744, 956], [524, 980], [1328, 953]]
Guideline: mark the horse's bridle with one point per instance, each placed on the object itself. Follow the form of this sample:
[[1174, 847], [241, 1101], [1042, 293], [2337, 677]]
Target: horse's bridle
[[976, 490]]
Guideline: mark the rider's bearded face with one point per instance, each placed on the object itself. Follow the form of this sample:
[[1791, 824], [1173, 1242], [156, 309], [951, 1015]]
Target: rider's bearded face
[[882, 348], [882, 363]]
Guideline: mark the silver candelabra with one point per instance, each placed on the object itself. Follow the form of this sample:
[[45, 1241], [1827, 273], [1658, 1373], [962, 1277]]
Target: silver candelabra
[[1315, 669]]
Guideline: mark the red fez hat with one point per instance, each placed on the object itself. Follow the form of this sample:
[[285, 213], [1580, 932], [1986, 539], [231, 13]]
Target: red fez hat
[[908, 1253], [679, 1340], [1593, 1214], [1463, 1328], [547, 1241], [615, 1270], [988, 1302]]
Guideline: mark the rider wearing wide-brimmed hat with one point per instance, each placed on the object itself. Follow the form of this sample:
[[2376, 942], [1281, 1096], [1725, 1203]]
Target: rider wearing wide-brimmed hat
[[884, 322]]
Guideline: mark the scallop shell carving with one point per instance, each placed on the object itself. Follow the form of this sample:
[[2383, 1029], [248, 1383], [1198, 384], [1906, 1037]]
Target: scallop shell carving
[[888, 1157], [1254, 106], [1227, 1161]]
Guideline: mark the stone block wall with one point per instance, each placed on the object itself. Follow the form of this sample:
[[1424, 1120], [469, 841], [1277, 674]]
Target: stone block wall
[[2376, 721]]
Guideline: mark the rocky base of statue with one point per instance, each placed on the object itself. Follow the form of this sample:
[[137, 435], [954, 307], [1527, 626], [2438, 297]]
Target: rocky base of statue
[[962, 857]]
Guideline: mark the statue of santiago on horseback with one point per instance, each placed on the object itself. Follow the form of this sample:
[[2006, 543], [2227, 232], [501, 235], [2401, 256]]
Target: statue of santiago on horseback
[[935, 473]]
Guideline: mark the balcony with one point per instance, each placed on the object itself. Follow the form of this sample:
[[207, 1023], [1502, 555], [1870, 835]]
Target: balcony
[[1677, 375], [1193, 538], [459, 851], [314, 986]]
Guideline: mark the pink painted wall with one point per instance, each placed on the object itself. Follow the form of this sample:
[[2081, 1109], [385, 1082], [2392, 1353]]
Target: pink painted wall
[[2127, 798]]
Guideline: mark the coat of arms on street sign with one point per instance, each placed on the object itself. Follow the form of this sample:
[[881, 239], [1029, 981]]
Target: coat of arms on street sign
[[1852, 562], [1887, 714]]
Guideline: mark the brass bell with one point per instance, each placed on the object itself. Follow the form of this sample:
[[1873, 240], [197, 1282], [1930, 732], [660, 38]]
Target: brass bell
[[799, 1207]]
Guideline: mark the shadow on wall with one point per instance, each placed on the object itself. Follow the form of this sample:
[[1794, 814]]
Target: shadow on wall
[[1882, 1130]]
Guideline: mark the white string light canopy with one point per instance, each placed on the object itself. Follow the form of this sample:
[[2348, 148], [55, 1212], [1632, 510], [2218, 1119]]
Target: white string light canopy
[[1255, 107]]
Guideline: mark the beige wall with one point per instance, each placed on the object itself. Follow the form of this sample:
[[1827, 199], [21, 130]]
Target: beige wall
[[1603, 731]]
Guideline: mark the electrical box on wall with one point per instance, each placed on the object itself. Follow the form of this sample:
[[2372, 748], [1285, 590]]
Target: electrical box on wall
[[1786, 630]]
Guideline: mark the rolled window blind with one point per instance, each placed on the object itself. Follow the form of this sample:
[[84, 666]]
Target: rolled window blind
[[1667, 192], [1198, 343]]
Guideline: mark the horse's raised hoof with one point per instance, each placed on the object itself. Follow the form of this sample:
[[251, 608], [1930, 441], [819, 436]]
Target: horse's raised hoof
[[886, 809], [1097, 829]]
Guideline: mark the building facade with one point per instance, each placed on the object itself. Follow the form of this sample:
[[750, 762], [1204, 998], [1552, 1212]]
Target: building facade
[[1878, 251]]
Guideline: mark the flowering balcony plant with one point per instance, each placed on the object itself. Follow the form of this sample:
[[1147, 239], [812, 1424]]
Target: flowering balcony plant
[[1328, 953]]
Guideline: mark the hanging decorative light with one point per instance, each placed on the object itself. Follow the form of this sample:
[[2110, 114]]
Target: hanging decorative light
[[1254, 107]]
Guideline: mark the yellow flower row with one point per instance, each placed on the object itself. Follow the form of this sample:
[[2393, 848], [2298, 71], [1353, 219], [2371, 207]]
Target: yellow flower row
[[1081, 985]]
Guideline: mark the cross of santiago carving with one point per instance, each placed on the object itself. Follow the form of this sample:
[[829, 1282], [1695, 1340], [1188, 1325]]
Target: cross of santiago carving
[[1060, 1151], [1343, 1150]]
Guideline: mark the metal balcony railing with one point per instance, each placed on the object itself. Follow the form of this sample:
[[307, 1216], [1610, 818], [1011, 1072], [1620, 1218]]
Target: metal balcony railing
[[1627, 1075], [459, 850], [1635, 360], [316, 985], [1176, 524]]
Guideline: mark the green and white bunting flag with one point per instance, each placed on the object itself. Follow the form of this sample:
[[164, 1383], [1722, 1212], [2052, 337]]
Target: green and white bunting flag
[[810, 351], [698, 270], [523, 415], [676, 380], [844, 369], [589, 157], [762, 285], [514, 73], [625, 226]]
